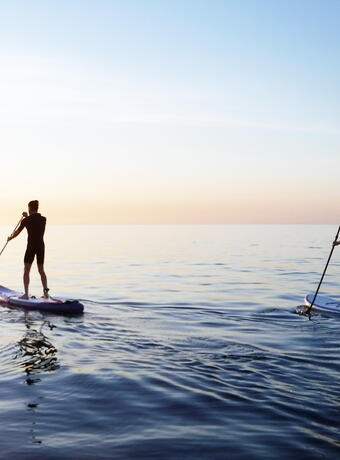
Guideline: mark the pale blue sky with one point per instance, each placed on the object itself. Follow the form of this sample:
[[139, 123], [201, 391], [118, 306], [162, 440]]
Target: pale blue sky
[[171, 111]]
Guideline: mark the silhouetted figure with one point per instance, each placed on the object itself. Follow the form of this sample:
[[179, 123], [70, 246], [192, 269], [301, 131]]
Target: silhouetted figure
[[35, 224]]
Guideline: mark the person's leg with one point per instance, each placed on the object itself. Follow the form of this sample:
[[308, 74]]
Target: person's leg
[[26, 279], [43, 279], [40, 263], [28, 260]]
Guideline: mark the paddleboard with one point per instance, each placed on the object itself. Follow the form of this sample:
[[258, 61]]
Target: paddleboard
[[323, 303], [12, 298]]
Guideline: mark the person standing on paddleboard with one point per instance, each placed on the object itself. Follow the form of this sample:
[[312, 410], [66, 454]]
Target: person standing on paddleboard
[[35, 225]]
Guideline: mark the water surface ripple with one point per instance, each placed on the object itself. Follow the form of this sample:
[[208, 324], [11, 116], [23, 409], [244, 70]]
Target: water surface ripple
[[189, 347]]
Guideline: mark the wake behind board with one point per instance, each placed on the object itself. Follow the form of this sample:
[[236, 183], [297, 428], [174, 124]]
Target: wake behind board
[[12, 298], [322, 303]]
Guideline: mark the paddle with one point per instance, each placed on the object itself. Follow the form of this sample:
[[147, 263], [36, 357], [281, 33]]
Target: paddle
[[324, 272], [16, 227]]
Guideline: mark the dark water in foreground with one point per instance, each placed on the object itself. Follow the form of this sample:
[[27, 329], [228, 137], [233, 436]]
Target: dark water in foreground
[[189, 347]]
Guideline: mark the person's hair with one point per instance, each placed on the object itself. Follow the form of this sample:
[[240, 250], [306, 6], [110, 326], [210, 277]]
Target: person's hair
[[33, 205]]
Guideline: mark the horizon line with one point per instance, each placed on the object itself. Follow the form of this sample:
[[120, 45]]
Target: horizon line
[[183, 223]]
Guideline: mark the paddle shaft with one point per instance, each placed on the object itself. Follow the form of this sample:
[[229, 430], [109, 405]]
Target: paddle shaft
[[324, 272], [17, 225]]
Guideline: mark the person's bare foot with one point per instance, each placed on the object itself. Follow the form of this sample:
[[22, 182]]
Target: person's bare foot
[[24, 296]]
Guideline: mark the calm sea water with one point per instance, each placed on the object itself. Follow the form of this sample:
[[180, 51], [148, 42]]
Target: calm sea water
[[189, 347]]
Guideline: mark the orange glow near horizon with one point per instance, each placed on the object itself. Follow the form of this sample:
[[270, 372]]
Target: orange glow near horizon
[[252, 209]]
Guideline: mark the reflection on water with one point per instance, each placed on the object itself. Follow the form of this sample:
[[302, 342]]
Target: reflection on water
[[189, 347], [37, 354]]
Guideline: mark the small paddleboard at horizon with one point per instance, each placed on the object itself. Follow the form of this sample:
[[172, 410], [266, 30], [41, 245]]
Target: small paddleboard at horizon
[[323, 303], [12, 299]]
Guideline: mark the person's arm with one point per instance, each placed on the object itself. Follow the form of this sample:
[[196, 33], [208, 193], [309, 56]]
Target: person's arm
[[336, 243], [20, 229]]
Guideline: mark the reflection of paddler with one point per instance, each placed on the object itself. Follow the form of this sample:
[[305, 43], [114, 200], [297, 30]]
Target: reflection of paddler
[[36, 355], [40, 353]]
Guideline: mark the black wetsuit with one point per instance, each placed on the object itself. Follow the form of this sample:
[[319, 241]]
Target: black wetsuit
[[35, 225]]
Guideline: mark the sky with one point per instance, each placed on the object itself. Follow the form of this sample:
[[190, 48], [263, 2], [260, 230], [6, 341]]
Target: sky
[[181, 111]]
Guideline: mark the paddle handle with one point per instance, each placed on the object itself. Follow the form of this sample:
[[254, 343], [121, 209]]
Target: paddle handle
[[17, 225], [324, 272]]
